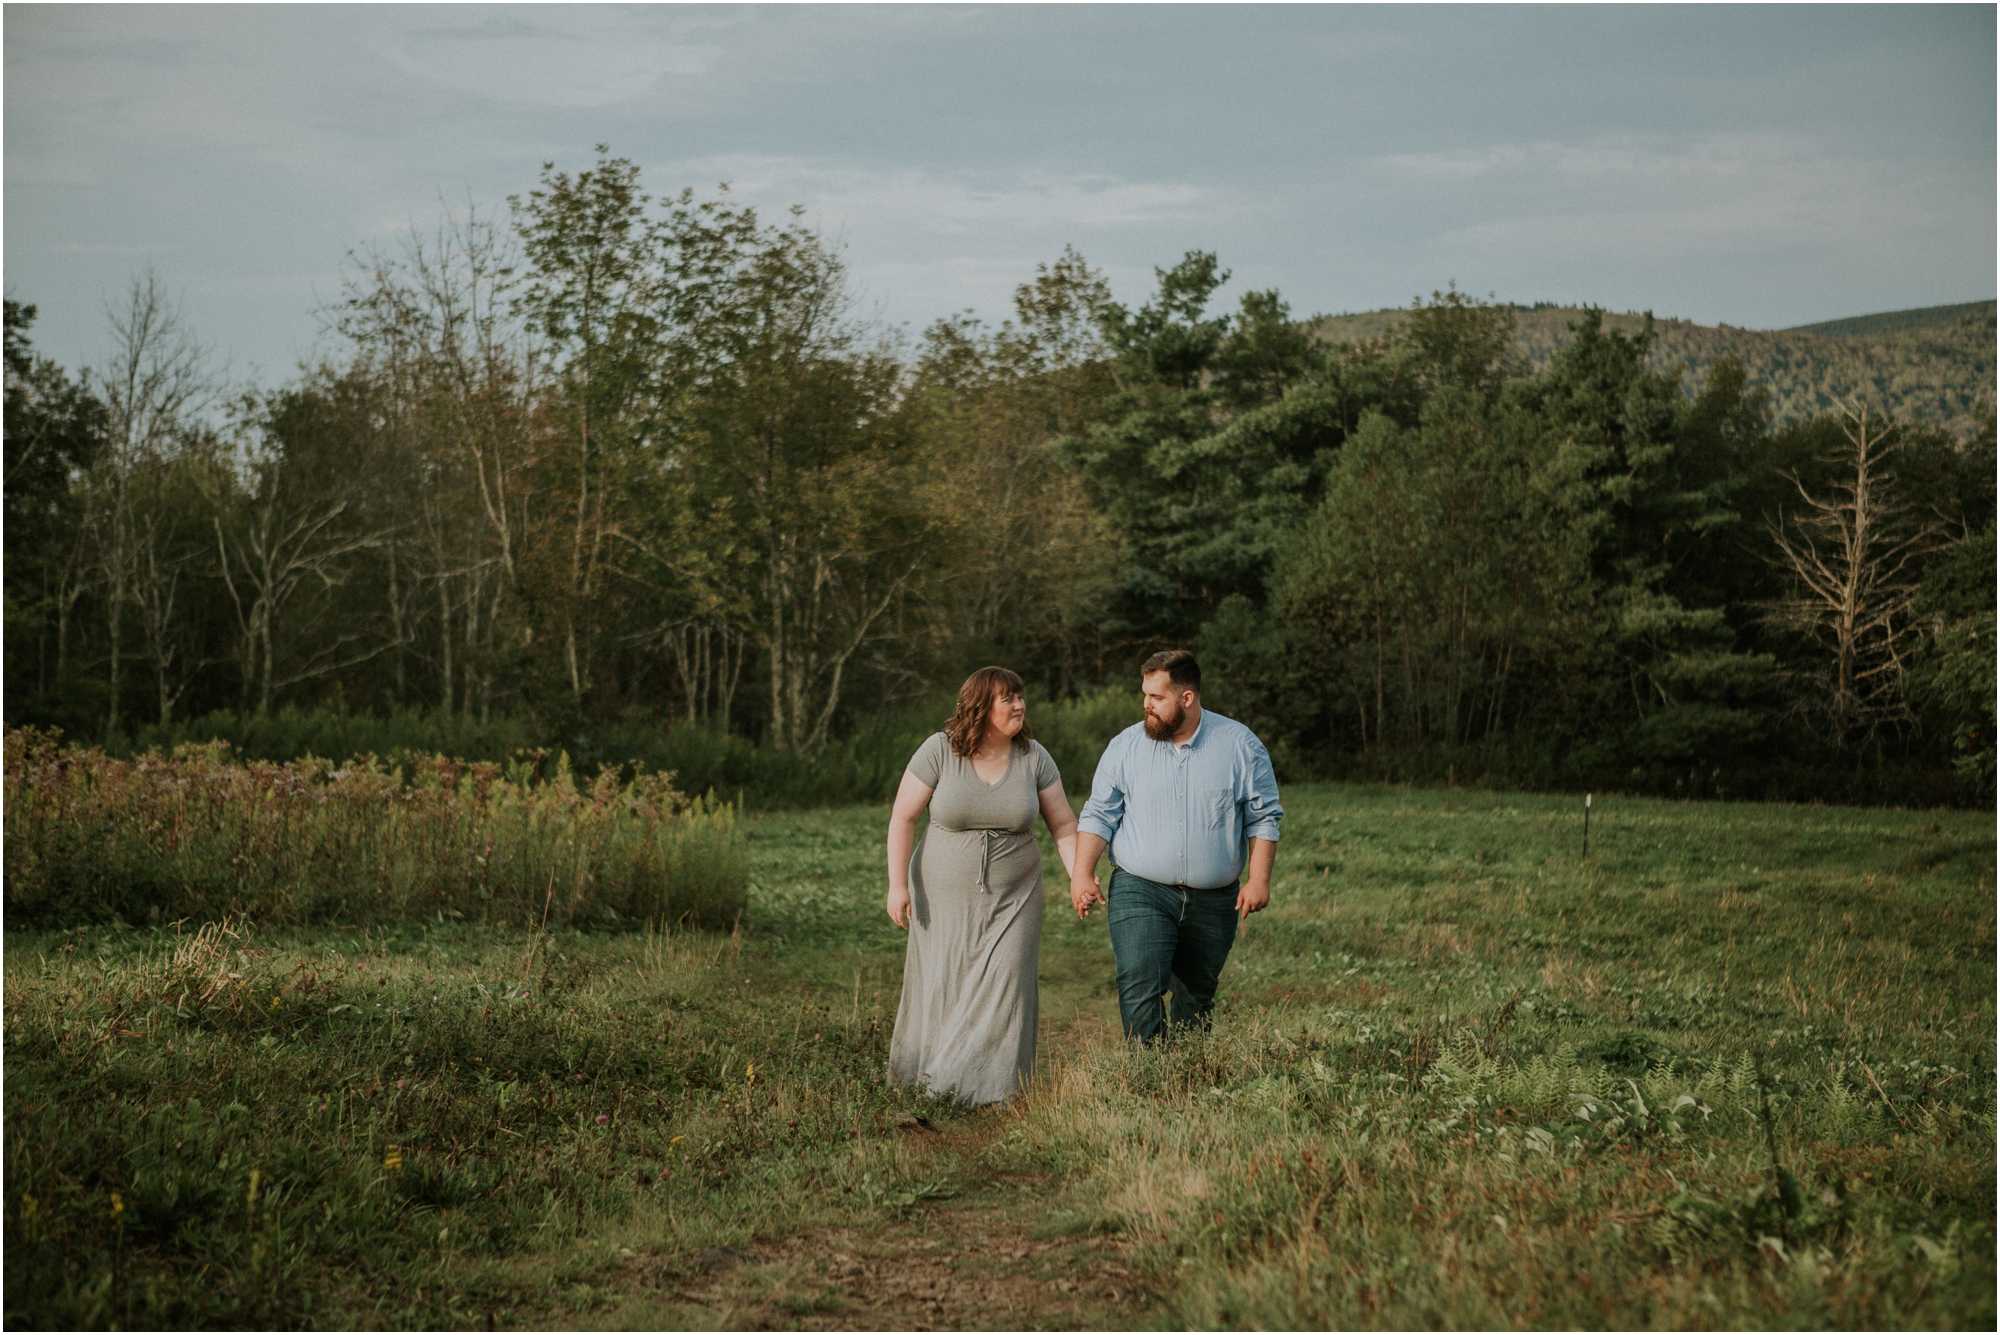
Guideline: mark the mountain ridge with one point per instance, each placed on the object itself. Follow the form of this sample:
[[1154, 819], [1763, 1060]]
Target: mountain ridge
[[1929, 365], [1890, 322]]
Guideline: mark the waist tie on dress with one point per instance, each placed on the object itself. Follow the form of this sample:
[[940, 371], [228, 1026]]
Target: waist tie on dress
[[986, 856], [989, 843]]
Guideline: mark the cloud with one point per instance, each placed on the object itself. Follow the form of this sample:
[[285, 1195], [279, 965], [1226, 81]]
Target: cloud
[[953, 147], [594, 61], [1745, 193], [27, 168], [1725, 156], [949, 202], [78, 248]]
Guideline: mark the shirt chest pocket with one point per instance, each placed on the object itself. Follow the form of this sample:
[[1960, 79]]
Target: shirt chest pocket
[[1213, 806]]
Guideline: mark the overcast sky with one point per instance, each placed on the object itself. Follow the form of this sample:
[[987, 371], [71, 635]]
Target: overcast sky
[[1764, 166]]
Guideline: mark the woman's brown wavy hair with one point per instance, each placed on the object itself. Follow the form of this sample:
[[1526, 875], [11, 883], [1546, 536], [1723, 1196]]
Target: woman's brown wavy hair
[[967, 724]]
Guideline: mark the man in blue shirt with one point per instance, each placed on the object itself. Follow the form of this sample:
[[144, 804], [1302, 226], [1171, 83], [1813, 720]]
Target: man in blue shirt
[[1183, 800]]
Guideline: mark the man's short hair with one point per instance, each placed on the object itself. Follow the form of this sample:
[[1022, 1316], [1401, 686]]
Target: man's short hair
[[1179, 665]]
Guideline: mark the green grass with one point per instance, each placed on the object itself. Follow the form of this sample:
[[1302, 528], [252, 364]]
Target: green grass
[[1459, 1077]]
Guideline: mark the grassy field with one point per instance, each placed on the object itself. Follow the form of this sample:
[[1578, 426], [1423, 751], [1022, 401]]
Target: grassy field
[[1734, 1070]]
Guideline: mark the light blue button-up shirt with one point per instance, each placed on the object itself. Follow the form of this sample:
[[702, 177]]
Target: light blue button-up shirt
[[1184, 815]]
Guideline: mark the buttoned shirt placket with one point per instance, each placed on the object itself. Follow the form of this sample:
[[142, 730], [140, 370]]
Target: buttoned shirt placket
[[1181, 750]]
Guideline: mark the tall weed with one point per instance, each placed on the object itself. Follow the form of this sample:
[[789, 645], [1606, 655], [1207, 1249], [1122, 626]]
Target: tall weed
[[197, 835]]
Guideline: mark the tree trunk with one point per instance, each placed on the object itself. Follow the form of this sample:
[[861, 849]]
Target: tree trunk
[[446, 677], [1381, 689], [114, 625], [730, 674], [397, 614]]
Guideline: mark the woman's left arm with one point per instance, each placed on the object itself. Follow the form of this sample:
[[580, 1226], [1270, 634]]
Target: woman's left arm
[[1062, 823]]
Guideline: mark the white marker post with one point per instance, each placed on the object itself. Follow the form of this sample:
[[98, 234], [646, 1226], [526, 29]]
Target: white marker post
[[1586, 826]]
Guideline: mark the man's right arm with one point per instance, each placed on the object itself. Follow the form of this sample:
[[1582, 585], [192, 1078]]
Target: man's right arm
[[1096, 826], [1083, 889]]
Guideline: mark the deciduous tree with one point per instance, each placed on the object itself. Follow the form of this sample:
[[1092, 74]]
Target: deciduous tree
[[156, 384]]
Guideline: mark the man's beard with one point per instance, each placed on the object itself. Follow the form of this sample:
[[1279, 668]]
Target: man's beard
[[1161, 727]]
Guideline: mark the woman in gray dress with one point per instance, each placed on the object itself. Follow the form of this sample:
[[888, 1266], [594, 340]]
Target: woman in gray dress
[[970, 895]]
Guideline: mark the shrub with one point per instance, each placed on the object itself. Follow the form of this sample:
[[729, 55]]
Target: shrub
[[1077, 731], [865, 766], [198, 835], [290, 734]]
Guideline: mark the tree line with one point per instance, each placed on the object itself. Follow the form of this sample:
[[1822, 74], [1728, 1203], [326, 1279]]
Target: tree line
[[606, 456]]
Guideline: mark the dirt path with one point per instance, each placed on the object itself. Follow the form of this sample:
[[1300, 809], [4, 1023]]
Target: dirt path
[[962, 1265], [968, 1264], [975, 1262]]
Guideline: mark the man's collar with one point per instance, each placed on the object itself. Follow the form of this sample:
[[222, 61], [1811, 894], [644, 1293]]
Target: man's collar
[[1200, 723]]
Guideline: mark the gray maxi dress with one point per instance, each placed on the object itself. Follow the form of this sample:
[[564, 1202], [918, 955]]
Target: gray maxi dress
[[966, 1025]]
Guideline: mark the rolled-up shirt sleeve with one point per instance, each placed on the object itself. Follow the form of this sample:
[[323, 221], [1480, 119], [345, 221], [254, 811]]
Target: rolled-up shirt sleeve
[[1261, 808], [1105, 811]]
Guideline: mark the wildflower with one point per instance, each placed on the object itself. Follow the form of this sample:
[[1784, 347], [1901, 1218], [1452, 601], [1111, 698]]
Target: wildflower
[[394, 1158], [277, 1004], [675, 1141], [401, 1084], [602, 1118], [750, 1074], [117, 1205]]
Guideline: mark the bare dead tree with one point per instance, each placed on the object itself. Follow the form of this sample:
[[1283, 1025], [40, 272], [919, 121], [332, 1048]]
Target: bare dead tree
[[301, 517], [1853, 557], [171, 500], [156, 380]]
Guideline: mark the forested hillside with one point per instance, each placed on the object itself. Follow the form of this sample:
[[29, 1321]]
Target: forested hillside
[[614, 467], [1902, 322], [1933, 365]]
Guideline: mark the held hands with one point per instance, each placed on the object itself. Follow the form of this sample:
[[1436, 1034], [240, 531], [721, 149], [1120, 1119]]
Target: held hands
[[1083, 892], [898, 905]]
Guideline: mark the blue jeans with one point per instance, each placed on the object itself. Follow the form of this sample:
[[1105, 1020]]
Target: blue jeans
[[1168, 938]]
